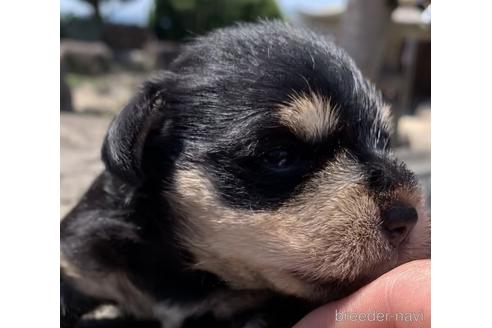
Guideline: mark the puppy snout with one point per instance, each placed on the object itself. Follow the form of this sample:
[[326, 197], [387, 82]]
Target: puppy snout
[[385, 174], [398, 221]]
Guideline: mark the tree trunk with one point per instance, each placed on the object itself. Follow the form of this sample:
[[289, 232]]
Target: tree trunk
[[96, 10], [362, 32]]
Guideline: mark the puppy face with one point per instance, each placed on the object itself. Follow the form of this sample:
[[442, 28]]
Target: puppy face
[[283, 178]]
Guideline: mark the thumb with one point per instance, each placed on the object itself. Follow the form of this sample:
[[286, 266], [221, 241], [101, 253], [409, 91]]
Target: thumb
[[400, 298]]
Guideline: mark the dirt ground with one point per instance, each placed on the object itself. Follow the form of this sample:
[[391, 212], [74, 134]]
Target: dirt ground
[[81, 137]]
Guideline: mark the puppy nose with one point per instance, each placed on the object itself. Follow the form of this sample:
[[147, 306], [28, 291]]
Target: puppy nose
[[398, 221]]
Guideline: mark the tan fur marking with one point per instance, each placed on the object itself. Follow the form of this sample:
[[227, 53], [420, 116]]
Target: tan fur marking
[[387, 117], [330, 232], [311, 117], [386, 113]]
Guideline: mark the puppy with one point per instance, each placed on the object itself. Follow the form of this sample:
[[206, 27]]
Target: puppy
[[248, 184]]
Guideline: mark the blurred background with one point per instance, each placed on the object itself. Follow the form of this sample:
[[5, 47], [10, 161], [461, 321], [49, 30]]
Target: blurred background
[[108, 47]]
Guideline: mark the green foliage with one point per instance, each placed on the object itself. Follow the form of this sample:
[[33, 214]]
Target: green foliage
[[178, 19], [82, 28]]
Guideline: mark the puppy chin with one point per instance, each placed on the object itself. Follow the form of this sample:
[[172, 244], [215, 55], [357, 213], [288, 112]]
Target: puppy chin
[[319, 290]]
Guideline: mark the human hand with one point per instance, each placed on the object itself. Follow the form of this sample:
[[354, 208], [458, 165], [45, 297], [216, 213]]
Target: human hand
[[398, 299]]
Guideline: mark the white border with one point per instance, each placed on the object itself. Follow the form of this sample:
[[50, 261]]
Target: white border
[[29, 172], [461, 166]]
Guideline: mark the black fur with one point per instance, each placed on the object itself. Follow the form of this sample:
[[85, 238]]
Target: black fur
[[214, 109]]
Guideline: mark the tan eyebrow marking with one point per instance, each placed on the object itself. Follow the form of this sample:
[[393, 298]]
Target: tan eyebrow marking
[[310, 116], [386, 117]]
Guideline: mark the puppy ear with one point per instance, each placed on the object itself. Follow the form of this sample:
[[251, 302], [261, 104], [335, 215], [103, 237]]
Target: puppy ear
[[123, 146]]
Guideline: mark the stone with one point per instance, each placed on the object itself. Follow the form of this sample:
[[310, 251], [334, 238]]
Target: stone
[[86, 57]]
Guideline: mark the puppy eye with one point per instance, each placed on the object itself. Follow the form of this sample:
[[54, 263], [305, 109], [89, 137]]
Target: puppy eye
[[281, 160]]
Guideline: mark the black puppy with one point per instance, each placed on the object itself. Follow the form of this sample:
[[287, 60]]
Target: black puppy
[[246, 185]]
